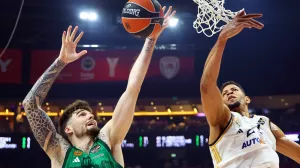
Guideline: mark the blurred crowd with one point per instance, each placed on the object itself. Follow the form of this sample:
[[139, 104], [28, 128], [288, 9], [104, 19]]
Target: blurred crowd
[[286, 119]]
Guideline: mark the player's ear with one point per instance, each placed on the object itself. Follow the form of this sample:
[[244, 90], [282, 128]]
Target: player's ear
[[247, 100], [68, 130]]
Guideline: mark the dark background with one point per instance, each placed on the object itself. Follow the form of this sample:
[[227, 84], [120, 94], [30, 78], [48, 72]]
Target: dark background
[[265, 62]]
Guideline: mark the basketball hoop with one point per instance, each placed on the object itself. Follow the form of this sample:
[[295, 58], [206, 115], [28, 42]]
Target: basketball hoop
[[211, 14]]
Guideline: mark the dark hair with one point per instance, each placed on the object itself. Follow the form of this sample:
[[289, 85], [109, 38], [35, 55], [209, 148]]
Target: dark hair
[[69, 110], [232, 83]]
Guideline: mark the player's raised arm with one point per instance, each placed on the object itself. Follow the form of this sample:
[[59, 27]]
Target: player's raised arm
[[284, 145], [216, 112], [40, 123], [124, 111]]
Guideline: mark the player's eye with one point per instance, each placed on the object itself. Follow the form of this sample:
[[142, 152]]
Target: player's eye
[[81, 114]]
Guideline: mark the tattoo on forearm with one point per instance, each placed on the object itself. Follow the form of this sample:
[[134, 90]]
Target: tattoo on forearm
[[150, 44], [40, 123]]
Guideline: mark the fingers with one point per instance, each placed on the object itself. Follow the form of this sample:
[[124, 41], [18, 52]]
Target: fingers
[[250, 24], [70, 37], [166, 21], [168, 12], [250, 19], [73, 33], [170, 17], [256, 24], [164, 8], [78, 38], [68, 33], [82, 53], [241, 13], [245, 24], [254, 15], [253, 23], [63, 39]]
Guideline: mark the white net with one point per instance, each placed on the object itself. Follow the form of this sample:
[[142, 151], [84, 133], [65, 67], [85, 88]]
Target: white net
[[211, 13]]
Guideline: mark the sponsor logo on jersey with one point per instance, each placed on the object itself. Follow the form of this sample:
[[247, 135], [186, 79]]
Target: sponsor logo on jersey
[[76, 160], [97, 156], [252, 141], [77, 153], [95, 149], [240, 131]]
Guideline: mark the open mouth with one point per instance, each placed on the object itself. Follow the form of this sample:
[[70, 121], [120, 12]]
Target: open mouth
[[231, 97], [91, 123]]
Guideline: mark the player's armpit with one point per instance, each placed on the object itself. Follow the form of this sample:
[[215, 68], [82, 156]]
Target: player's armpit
[[57, 147], [284, 145], [217, 113]]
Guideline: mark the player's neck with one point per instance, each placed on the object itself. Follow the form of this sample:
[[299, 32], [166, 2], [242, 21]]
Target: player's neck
[[83, 143], [243, 110]]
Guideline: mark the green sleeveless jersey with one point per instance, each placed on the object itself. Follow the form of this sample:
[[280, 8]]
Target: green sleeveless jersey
[[99, 156]]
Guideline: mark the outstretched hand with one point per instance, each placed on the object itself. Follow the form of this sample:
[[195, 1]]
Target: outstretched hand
[[68, 48], [241, 21], [168, 16]]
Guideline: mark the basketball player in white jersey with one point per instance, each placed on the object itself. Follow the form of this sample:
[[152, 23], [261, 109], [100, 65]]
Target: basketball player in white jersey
[[237, 139]]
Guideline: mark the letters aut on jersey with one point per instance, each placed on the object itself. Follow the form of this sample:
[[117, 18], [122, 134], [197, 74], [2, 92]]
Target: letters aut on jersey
[[251, 131]]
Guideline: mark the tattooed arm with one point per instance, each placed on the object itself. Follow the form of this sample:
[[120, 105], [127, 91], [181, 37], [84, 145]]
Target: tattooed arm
[[40, 123]]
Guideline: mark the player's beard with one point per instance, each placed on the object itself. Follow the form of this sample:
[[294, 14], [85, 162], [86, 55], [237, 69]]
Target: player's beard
[[234, 105], [93, 132]]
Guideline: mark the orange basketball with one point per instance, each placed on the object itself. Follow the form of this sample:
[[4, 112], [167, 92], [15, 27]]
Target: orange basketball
[[142, 18]]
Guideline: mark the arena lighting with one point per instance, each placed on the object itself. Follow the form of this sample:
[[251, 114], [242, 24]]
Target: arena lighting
[[201, 114], [90, 45], [293, 137], [91, 16], [107, 114], [173, 22], [7, 113], [153, 113]]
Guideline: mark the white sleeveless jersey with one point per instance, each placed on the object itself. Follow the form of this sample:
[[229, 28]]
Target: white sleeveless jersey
[[245, 143]]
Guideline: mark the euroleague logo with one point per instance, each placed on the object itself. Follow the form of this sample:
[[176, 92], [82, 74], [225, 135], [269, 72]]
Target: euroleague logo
[[88, 63], [134, 12]]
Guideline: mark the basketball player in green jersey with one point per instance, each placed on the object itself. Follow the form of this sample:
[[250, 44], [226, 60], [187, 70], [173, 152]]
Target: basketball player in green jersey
[[80, 143]]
